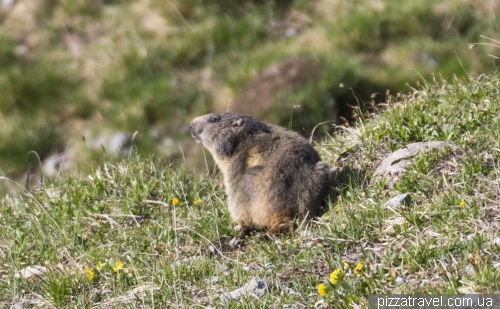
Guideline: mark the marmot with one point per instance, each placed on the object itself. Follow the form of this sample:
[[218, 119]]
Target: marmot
[[271, 174]]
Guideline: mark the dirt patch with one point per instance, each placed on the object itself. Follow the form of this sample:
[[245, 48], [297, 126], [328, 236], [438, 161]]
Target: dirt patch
[[257, 96]]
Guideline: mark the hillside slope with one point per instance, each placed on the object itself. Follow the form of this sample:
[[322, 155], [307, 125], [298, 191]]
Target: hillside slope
[[144, 233]]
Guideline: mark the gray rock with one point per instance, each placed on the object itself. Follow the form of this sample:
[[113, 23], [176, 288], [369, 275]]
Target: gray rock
[[120, 142], [469, 269], [5, 6], [226, 270], [400, 280], [235, 242], [256, 287], [57, 163], [396, 158], [398, 200], [115, 144], [306, 234], [310, 244], [320, 304]]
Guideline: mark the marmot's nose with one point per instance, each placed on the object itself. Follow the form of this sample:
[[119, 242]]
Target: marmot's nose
[[194, 131]]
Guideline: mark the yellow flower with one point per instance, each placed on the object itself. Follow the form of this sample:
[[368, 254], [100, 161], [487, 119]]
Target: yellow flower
[[345, 264], [322, 289], [118, 266], [175, 201], [99, 265], [90, 273], [462, 204], [358, 268], [197, 201], [335, 276]]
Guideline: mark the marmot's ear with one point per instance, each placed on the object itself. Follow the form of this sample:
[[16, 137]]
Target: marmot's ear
[[238, 122]]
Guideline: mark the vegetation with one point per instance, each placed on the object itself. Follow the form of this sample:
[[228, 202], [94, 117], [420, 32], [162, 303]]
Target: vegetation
[[92, 69], [144, 233], [137, 226]]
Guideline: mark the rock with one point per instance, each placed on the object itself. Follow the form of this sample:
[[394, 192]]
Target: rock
[[398, 200], [115, 144], [400, 280], [187, 262], [235, 242], [226, 270], [395, 164], [58, 163], [306, 234], [31, 271], [5, 6], [469, 269], [320, 304], [256, 287]]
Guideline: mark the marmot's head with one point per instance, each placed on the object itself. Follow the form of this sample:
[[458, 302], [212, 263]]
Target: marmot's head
[[220, 133]]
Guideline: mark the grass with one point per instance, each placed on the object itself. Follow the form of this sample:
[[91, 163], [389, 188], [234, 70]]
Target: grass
[[144, 232], [89, 68]]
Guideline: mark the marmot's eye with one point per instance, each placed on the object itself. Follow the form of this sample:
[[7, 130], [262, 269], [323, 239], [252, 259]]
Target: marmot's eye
[[213, 120]]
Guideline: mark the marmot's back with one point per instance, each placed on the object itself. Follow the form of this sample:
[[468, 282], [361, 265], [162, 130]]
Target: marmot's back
[[271, 174]]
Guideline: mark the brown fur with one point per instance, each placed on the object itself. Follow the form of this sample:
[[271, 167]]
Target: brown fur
[[271, 174]]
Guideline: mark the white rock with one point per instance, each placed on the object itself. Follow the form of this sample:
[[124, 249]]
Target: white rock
[[400, 280], [31, 271], [57, 163], [256, 287], [235, 242], [398, 200], [6, 5], [306, 234]]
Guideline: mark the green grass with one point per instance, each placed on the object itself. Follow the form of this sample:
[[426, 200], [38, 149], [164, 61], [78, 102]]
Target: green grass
[[87, 68], [170, 228]]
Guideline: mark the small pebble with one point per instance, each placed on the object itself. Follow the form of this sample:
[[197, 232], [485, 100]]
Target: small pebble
[[469, 269], [306, 234], [235, 242], [400, 280]]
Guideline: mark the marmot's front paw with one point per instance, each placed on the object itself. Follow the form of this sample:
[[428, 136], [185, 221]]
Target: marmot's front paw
[[282, 228], [243, 229], [281, 222]]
